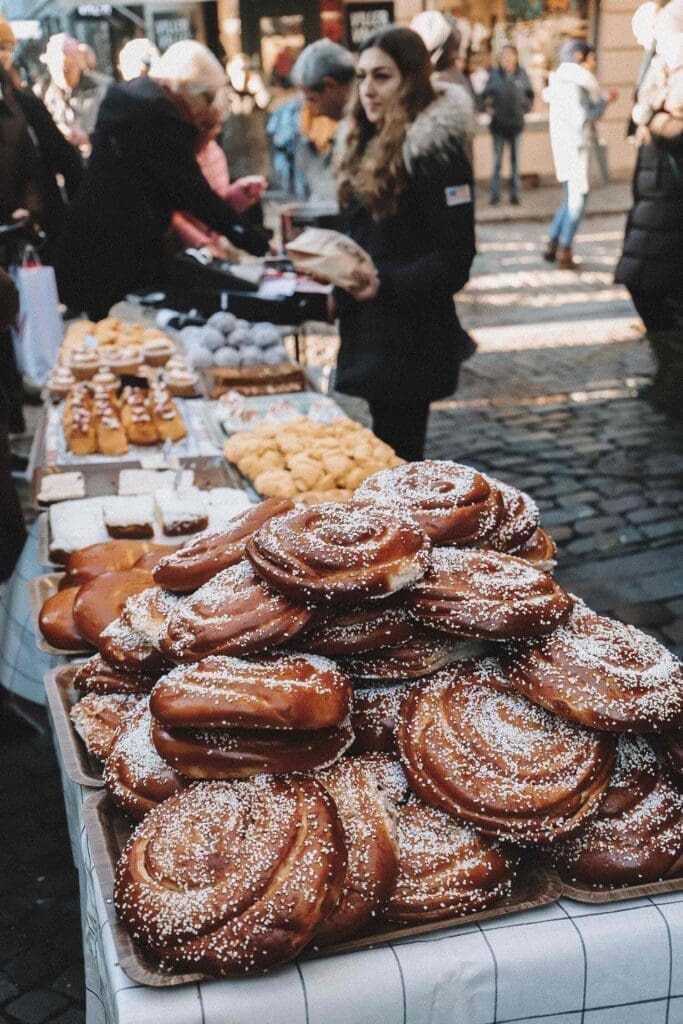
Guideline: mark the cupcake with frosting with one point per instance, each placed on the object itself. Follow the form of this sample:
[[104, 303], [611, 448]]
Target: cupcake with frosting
[[59, 382]]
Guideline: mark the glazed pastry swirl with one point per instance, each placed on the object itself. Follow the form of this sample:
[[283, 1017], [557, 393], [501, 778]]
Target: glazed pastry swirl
[[357, 630], [96, 676], [214, 550], [518, 522], [231, 878], [601, 673], [482, 752], [488, 596], [637, 836], [339, 553], [234, 613], [289, 691], [422, 655], [452, 503]]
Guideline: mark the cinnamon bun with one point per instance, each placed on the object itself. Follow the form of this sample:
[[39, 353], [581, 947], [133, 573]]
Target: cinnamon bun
[[101, 600], [97, 717], [422, 655], [96, 676], [357, 630]]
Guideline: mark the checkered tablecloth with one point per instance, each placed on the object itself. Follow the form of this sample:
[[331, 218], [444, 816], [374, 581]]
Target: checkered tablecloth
[[569, 963]]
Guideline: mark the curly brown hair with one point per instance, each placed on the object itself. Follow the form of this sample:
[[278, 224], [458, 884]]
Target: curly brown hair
[[372, 168]]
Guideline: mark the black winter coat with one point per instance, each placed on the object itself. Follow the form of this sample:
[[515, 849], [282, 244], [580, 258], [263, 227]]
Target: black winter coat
[[652, 257], [141, 169], [407, 344], [508, 98]]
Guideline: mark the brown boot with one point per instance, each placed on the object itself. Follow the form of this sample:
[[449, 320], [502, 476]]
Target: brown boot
[[565, 258], [550, 251]]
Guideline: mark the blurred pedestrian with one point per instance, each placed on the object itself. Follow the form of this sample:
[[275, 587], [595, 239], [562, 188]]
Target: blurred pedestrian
[[442, 37], [406, 194], [143, 167], [71, 94], [325, 72], [8, 42], [576, 102], [507, 97], [651, 263], [136, 58]]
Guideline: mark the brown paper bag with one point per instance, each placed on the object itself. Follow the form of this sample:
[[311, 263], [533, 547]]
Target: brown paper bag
[[330, 256]]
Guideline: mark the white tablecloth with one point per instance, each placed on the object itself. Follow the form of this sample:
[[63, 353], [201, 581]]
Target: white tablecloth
[[569, 963]]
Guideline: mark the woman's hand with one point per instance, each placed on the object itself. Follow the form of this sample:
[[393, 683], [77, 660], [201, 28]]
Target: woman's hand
[[366, 284], [246, 192]]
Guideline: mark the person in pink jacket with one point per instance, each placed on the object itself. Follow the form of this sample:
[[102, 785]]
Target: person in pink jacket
[[241, 195]]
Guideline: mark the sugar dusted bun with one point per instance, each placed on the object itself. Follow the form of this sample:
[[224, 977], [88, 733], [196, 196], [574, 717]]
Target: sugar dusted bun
[[97, 717], [368, 819], [288, 691], [374, 718], [540, 550], [234, 613], [96, 676], [452, 503], [488, 596], [637, 836], [135, 777], [241, 753], [359, 630], [339, 553], [518, 523], [420, 656], [672, 745], [233, 878], [601, 673], [445, 868], [57, 623], [480, 751], [201, 558]]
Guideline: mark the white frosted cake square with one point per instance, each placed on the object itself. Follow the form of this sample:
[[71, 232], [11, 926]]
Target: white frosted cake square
[[129, 516]]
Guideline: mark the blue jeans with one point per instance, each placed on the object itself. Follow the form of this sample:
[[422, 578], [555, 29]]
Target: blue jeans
[[498, 149], [568, 216]]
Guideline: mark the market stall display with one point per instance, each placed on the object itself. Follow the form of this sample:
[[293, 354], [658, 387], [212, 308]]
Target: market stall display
[[492, 776]]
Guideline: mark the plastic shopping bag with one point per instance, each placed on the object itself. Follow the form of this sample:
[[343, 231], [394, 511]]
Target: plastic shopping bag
[[38, 334]]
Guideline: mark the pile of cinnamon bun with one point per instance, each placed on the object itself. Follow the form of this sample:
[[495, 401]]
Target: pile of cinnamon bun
[[330, 716]]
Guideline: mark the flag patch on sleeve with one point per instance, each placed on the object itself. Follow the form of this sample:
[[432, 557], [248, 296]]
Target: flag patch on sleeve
[[456, 195]]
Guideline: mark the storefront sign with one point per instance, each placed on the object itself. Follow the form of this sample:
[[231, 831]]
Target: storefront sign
[[362, 19], [94, 10], [171, 28]]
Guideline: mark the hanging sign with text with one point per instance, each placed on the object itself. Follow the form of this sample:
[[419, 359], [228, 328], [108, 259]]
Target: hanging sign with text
[[362, 19]]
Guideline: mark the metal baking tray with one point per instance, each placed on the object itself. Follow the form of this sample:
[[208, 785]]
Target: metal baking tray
[[605, 894], [108, 831], [78, 764], [39, 589]]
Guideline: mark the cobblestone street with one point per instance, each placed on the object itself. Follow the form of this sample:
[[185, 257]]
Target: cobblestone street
[[549, 403]]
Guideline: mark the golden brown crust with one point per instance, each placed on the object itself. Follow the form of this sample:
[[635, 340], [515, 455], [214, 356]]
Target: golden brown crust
[[57, 623], [445, 868], [339, 553], [368, 819], [540, 550], [124, 648], [235, 613], [601, 673], [149, 561], [637, 836], [357, 630], [101, 600], [518, 523], [97, 717], [480, 751], [135, 777], [233, 878], [241, 753], [96, 676], [452, 503], [287, 691], [110, 556], [488, 596], [203, 557], [422, 655]]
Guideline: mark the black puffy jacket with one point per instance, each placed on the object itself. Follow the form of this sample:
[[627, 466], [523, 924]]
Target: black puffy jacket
[[652, 257], [142, 168], [407, 344]]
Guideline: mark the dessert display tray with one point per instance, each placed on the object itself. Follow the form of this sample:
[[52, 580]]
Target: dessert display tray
[[603, 894], [254, 380], [108, 831], [39, 589], [221, 423], [101, 478], [61, 695]]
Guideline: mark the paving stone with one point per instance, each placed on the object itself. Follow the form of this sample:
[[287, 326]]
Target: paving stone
[[8, 990], [599, 524], [676, 607], [578, 498], [562, 516], [649, 514], [36, 1007], [562, 533], [71, 982], [70, 1016], [672, 528], [674, 631], [626, 503], [645, 613]]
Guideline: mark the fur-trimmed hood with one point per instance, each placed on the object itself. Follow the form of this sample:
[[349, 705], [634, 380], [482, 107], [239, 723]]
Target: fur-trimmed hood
[[447, 121]]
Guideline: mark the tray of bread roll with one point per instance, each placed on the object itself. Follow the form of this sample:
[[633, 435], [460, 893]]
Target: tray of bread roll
[[52, 484], [52, 610], [109, 830], [354, 720], [90, 722]]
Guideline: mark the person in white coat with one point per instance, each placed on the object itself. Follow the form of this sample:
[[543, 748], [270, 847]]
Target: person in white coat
[[575, 100]]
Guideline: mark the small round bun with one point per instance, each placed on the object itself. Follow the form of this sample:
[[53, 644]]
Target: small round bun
[[223, 322], [226, 357], [212, 338]]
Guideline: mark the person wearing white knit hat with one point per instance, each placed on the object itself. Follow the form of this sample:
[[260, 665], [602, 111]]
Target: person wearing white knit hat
[[143, 167], [136, 58]]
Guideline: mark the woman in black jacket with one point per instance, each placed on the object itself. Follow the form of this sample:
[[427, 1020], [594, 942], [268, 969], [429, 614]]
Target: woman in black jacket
[[406, 194], [142, 168]]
